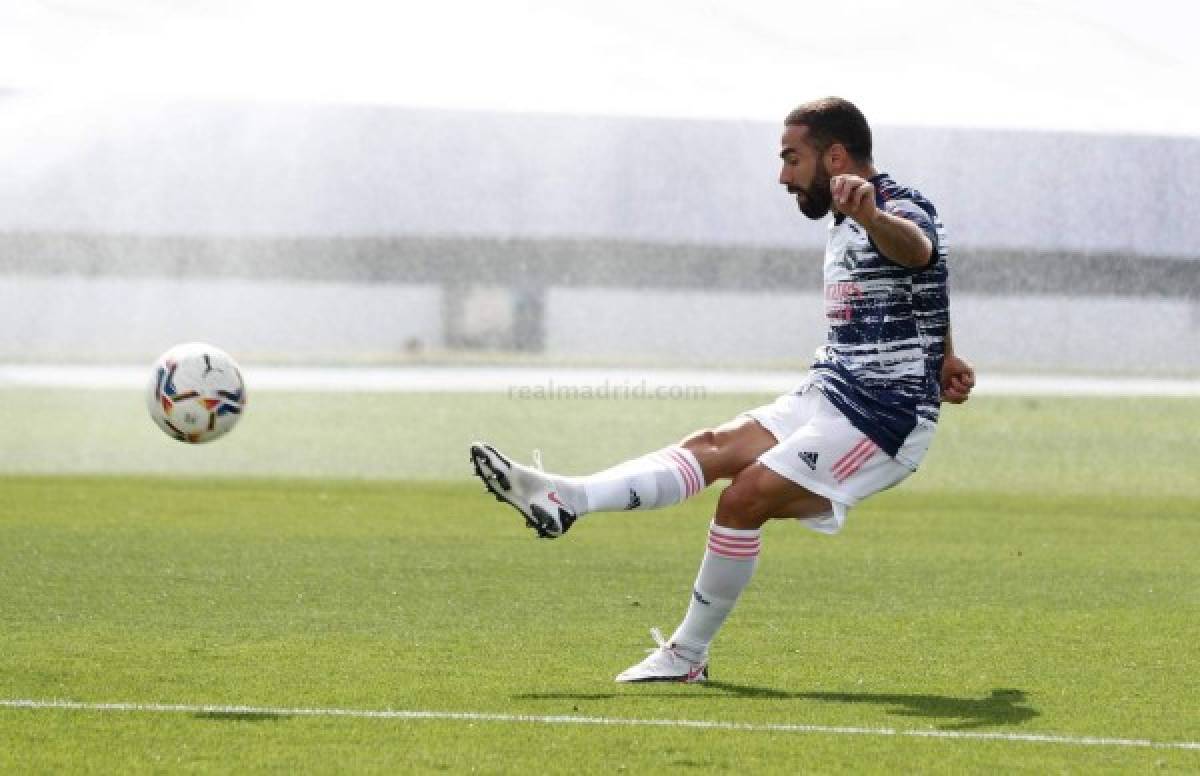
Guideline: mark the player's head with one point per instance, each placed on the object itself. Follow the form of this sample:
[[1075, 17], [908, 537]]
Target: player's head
[[822, 138]]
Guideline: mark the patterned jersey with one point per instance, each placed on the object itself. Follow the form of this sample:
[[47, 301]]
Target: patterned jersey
[[882, 360]]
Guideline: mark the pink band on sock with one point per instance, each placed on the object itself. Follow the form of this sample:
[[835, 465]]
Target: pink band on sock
[[729, 545], [693, 481]]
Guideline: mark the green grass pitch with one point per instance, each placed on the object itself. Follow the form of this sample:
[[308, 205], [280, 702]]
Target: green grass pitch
[[1038, 576]]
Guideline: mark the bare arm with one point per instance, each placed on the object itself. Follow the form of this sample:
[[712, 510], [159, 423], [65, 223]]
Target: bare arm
[[899, 239]]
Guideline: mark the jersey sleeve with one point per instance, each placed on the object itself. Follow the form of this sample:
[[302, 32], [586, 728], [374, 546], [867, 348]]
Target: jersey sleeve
[[911, 211]]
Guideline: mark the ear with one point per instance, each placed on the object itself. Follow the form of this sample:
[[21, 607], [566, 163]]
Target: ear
[[836, 158]]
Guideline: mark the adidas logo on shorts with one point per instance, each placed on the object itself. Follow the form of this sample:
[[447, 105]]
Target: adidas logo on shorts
[[810, 459]]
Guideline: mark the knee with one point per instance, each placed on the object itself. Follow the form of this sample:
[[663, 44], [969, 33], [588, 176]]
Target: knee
[[742, 505], [716, 450], [702, 441]]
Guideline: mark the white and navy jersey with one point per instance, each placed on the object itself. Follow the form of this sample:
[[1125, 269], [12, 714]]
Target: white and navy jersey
[[881, 362]]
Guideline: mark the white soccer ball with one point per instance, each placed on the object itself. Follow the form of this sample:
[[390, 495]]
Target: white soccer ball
[[196, 393]]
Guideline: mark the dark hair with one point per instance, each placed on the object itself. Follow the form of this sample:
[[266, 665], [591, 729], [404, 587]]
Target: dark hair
[[834, 120]]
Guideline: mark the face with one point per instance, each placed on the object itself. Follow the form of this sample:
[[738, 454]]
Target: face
[[804, 173]]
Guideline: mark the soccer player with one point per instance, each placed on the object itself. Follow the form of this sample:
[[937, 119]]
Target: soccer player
[[861, 420]]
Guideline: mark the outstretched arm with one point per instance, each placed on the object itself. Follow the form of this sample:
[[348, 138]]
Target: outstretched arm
[[899, 239], [958, 378]]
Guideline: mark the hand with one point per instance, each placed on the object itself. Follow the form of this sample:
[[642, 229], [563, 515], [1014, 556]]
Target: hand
[[958, 378], [854, 197]]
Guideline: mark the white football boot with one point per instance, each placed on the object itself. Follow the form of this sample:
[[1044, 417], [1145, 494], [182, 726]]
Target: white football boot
[[665, 664], [530, 491]]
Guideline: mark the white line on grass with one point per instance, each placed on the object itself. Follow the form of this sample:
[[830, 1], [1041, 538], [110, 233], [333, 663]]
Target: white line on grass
[[479, 716]]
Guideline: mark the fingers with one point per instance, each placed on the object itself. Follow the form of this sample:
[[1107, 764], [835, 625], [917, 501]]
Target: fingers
[[958, 378], [864, 197], [853, 196], [956, 388], [843, 187]]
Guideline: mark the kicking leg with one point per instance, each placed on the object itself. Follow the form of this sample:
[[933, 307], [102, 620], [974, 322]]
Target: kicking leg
[[551, 503], [668, 476]]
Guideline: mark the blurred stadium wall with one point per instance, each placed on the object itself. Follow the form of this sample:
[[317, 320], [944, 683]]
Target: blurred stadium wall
[[359, 234]]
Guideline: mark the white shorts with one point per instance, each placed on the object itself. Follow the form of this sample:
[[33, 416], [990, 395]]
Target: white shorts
[[819, 449]]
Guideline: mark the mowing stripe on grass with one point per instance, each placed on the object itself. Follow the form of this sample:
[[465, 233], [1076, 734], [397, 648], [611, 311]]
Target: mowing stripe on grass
[[479, 716]]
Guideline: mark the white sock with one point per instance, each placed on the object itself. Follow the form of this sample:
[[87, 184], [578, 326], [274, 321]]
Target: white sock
[[657, 480], [729, 562]]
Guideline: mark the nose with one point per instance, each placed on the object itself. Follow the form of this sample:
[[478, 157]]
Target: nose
[[784, 177]]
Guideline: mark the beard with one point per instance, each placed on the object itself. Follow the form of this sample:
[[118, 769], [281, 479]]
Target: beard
[[815, 200]]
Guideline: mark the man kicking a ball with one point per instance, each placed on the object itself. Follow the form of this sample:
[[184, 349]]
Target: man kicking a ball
[[860, 421]]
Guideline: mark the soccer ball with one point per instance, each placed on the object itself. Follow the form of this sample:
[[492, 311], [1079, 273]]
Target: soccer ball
[[196, 393]]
